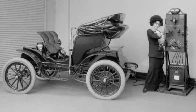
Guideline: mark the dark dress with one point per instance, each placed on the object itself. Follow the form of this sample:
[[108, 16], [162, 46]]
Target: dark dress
[[156, 60]]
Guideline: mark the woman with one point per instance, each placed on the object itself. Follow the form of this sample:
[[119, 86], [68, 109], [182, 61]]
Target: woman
[[156, 55]]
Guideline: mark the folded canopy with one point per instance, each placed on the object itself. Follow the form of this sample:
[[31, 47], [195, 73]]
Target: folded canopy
[[111, 26]]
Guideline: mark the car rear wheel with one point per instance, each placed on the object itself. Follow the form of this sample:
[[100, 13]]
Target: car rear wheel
[[18, 76], [105, 80]]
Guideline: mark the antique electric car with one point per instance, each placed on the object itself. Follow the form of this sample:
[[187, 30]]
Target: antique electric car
[[90, 60]]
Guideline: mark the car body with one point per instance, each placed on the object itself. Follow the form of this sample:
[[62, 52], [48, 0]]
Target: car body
[[90, 60]]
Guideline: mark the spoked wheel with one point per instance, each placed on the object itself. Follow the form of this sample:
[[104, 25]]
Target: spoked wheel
[[18, 76], [50, 73], [105, 80]]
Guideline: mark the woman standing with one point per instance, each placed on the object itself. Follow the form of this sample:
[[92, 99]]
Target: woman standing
[[156, 55]]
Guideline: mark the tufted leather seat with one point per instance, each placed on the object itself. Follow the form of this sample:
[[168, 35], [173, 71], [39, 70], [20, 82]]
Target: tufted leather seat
[[55, 35], [50, 41]]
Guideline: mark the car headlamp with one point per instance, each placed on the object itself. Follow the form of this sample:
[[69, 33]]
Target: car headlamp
[[63, 52], [40, 46]]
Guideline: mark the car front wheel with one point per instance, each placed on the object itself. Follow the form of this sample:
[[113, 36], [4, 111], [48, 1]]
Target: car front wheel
[[18, 76]]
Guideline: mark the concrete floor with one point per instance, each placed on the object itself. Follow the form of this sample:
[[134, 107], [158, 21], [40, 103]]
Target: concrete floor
[[73, 96]]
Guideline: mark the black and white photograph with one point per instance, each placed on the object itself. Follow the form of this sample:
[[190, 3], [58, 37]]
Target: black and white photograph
[[97, 56]]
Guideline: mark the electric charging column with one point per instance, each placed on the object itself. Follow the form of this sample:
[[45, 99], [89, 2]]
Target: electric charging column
[[177, 67]]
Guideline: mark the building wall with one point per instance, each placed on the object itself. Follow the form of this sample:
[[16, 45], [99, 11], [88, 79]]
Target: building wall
[[20, 21], [61, 22], [50, 15], [138, 13]]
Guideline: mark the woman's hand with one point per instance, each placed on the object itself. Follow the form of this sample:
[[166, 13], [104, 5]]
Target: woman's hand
[[158, 33], [161, 40]]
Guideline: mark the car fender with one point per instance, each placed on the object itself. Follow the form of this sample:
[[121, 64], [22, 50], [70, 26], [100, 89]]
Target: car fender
[[28, 54]]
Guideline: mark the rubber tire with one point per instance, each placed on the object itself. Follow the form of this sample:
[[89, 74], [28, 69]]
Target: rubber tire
[[117, 67], [30, 67]]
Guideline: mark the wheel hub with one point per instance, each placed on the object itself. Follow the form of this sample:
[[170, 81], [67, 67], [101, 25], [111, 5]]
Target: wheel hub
[[104, 80], [16, 77]]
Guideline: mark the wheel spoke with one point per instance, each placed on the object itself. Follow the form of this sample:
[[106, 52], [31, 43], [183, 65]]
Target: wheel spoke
[[97, 71], [106, 89], [112, 74], [108, 70], [107, 67], [25, 68], [17, 84], [115, 84], [112, 79], [24, 81], [96, 75], [14, 70], [97, 85], [110, 86], [11, 78], [15, 66], [21, 83], [101, 88], [96, 80], [27, 76], [104, 70], [19, 67], [13, 82]]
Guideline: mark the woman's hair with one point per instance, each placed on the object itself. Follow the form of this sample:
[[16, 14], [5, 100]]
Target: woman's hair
[[155, 18]]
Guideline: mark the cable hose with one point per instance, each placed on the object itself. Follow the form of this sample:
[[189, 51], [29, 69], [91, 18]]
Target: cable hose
[[136, 80]]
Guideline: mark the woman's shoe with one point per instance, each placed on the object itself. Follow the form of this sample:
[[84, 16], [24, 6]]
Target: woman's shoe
[[145, 90]]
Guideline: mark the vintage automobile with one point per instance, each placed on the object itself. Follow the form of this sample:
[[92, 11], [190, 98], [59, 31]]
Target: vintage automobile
[[90, 60]]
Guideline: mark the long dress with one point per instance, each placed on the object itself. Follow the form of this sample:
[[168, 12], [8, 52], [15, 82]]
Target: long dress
[[155, 74], [156, 61]]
